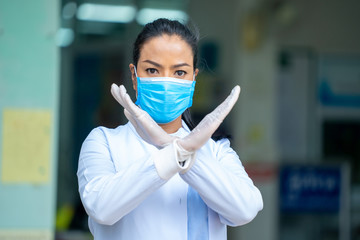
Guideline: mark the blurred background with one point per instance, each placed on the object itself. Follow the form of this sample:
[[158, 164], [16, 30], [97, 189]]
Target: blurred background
[[296, 126]]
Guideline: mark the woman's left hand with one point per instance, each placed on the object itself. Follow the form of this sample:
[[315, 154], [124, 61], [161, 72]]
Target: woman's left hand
[[145, 126], [208, 125]]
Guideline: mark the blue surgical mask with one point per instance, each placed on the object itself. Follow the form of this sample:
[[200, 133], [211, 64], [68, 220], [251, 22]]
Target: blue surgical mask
[[164, 98]]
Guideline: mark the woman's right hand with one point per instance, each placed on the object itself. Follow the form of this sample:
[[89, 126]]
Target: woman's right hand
[[152, 133], [186, 147]]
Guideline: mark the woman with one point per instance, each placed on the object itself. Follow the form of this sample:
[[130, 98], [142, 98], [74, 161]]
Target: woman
[[154, 178]]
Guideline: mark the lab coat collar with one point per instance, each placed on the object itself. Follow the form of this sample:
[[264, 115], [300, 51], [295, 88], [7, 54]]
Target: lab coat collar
[[183, 131]]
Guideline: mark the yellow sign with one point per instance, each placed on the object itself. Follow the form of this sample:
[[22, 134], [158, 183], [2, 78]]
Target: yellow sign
[[26, 146], [19, 234]]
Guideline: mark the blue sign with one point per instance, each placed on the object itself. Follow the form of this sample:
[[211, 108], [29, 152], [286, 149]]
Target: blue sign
[[310, 188]]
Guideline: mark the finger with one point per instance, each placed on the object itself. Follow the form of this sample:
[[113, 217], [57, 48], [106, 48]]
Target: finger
[[225, 107], [234, 96], [218, 114], [130, 105], [213, 120], [203, 131], [120, 94], [126, 98], [116, 94]]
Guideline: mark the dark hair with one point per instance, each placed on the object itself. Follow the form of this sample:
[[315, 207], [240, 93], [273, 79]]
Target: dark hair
[[170, 27]]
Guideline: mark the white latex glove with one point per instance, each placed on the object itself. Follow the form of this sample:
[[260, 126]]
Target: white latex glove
[[145, 126], [151, 132], [184, 149], [171, 158], [208, 125]]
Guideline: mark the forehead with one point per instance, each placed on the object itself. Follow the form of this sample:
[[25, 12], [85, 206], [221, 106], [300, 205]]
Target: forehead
[[165, 46]]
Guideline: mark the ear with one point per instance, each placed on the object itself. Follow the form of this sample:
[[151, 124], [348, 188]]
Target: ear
[[196, 72], [133, 77]]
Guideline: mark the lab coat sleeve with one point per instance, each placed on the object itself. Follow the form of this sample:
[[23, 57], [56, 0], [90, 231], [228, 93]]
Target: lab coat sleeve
[[109, 194], [220, 179]]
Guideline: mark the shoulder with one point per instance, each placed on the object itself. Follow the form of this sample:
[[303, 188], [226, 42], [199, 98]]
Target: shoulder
[[107, 140], [105, 133], [220, 149], [219, 145], [223, 145]]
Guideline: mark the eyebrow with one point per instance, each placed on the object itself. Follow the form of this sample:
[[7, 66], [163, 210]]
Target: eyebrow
[[174, 66], [181, 65], [153, 63]]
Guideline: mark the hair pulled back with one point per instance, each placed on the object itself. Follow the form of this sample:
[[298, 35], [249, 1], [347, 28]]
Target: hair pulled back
[[163, 26]]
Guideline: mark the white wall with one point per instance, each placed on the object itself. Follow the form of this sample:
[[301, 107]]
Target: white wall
[[29, 69]]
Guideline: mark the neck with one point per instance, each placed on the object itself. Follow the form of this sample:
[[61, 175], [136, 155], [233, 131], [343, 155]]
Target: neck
[[173, 126]]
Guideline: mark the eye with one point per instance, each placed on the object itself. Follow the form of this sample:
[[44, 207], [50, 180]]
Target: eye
[[180, 73], [151, 71]]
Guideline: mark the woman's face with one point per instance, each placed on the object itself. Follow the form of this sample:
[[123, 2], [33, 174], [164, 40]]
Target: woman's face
[[165, 56]]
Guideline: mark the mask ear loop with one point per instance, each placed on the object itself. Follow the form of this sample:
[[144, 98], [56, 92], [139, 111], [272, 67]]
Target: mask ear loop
[[138, 83], [136, 72]]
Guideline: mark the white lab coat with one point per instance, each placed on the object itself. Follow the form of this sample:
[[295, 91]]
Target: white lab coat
[[126, 199]]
